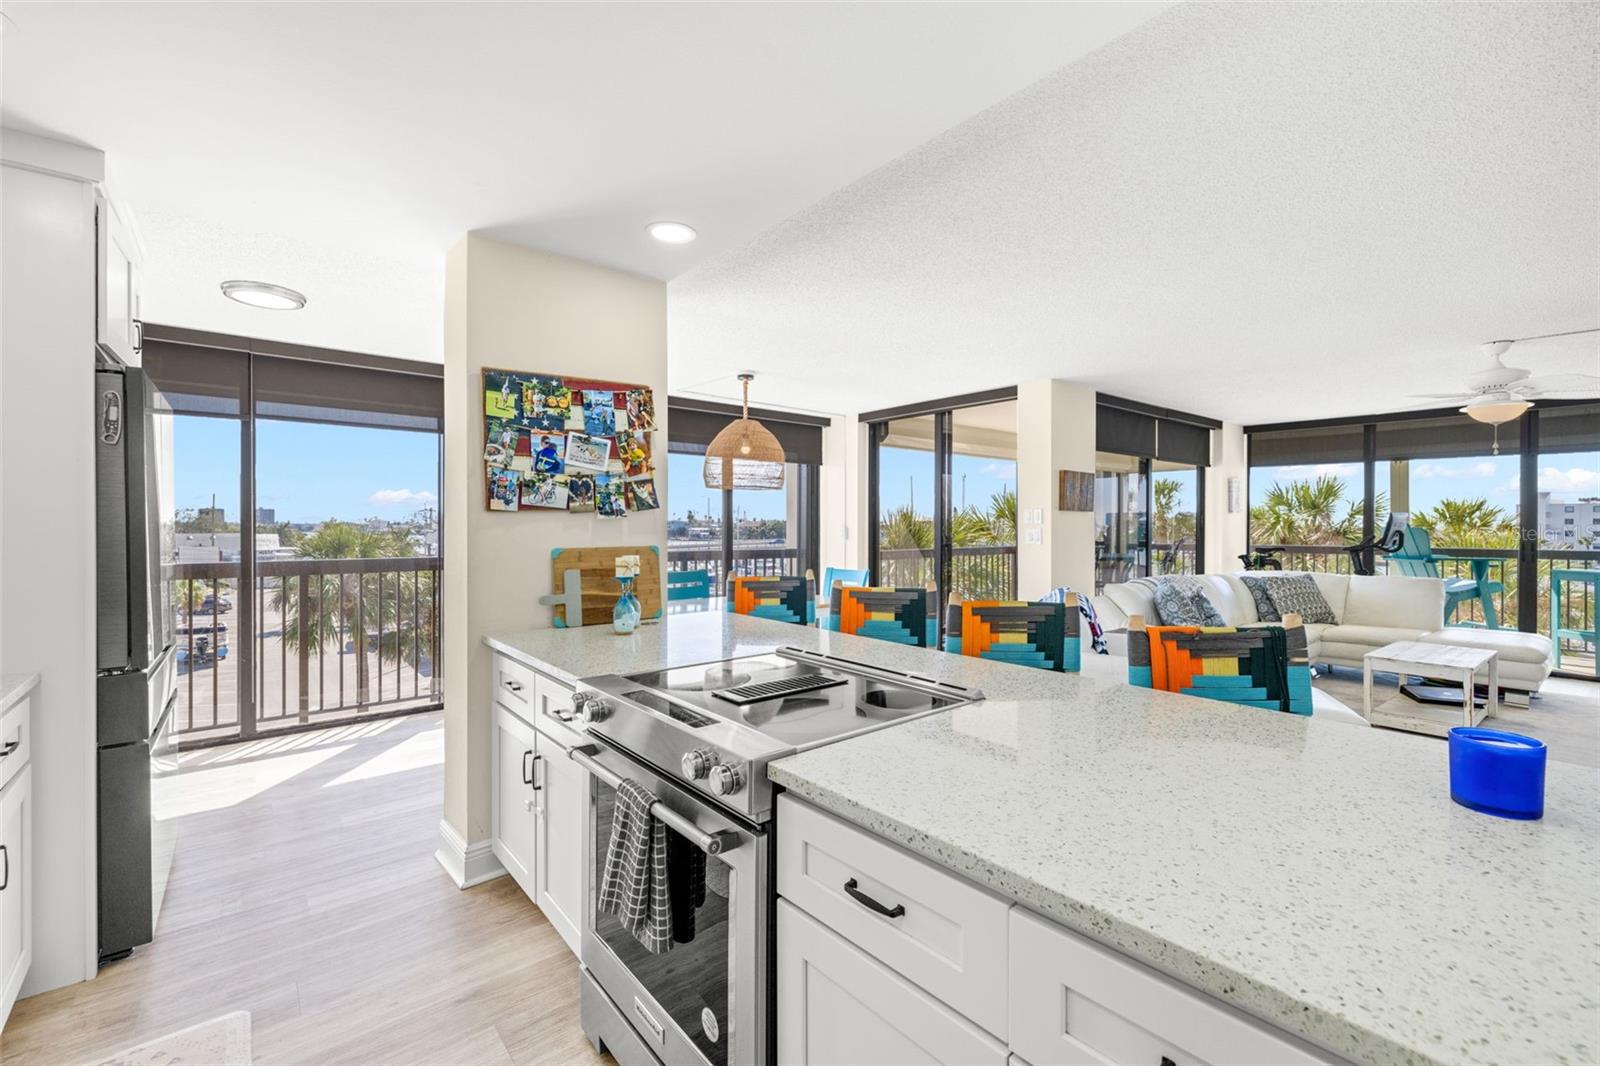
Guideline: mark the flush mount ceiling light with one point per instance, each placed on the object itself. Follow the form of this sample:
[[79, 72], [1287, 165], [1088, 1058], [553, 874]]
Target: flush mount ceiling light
[[745, 455], [671, 232], [265, 295]]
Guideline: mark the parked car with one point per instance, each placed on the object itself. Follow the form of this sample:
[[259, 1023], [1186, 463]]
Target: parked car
[[214, 605]]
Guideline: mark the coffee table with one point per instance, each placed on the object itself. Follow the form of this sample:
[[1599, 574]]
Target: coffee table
[[1412, 658]]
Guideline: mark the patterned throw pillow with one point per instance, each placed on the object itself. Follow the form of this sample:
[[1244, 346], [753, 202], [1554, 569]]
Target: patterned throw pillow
[[1180, 603], [1298, 594], [1265, 611]]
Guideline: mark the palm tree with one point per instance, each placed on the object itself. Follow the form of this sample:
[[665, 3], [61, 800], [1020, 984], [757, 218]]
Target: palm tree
[[1472, 523], [1314, 512], [319, 609]]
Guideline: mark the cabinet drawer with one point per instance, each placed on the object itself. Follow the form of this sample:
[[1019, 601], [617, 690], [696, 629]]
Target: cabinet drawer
[[556, 718], [514, 685], [838, 1007], [15, 741], [1073, 1001], [951, 936]]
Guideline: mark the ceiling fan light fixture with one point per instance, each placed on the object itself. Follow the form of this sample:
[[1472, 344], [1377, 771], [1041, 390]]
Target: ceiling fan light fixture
[[745, 454], [1496, 409]]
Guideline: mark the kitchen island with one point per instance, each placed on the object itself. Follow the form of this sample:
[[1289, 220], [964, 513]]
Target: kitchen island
[[1308, 874]]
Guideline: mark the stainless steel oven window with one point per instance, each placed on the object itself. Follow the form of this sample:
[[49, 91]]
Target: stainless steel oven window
[[705, 1000]]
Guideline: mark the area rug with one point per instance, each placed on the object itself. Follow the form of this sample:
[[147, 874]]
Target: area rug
[[222, 1041]]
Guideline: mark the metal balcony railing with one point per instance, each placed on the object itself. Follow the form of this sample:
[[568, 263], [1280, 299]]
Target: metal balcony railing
[[329, 639]]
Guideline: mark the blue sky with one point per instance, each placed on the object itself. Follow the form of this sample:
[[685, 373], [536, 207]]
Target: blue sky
[[308, 472], [906, 476]]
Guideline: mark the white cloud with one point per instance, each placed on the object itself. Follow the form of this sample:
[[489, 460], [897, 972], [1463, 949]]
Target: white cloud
[[402, 498], [1003, 471], [1484, 469], [1319, 470], [1574, 479]]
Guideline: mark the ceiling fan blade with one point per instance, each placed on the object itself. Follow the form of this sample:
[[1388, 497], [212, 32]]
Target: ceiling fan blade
[[1463, 396], [1558, 383]]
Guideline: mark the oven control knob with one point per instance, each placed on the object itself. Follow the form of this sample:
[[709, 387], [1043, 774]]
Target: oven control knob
[[596, 709], [697, 763], [727, 778]]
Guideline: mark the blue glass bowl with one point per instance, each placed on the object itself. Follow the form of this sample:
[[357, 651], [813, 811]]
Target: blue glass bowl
[[1498, 773]]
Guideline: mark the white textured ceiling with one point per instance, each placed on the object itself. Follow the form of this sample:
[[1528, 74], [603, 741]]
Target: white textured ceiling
[[340, 148], [1251, 211]]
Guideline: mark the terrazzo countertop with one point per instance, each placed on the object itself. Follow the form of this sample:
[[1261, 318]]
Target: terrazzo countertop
[[13, 687], [1314, 874]]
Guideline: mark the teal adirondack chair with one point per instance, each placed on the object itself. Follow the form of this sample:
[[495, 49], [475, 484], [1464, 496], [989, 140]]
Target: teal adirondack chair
[[1416, 558]]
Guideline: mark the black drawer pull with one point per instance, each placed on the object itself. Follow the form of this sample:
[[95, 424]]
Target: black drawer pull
[[5, 853], [527, 767], [871, 904], [9, 748], [1167, 1061]]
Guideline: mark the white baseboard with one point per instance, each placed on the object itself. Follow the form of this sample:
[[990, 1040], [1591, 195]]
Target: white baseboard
[[467, 864]]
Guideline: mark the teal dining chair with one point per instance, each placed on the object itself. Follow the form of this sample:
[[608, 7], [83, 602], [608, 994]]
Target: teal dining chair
[[688, 584], [1416, 558], [839, 573]]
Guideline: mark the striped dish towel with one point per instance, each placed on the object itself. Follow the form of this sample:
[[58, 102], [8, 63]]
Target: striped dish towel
[[634, 884]]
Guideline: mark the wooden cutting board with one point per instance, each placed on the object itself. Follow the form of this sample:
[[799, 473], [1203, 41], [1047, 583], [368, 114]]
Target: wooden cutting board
[[597, 582]]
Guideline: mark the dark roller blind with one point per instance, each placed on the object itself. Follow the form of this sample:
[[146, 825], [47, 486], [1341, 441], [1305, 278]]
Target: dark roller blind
[[1569, 429], [1124, 432], [1179, 442], [1443, 438], [689, 429], [198, 381], [1292, 447], [302, 390]]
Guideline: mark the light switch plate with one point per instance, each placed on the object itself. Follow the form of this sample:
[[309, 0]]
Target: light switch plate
[[1033, 536], [1033, 516]]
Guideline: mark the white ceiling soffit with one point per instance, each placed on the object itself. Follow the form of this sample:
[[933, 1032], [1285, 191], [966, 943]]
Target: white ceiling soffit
[[1256, 212], [340, 149]]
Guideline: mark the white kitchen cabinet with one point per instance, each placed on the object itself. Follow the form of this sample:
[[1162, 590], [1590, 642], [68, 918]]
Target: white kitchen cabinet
[[117, 285], [16, 887], [563, 788], [514, 817], [837, 1005]]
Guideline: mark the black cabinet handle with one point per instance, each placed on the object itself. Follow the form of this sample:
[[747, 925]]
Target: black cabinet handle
[[527, 767], [1167, 1061], [9, 748], [5, 853], [533, 777], [871, 904]]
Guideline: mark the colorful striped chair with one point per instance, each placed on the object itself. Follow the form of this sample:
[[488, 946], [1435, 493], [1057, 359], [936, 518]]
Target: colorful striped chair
[[894, 614], [783, 599], [1263, 666], [1042, 635]]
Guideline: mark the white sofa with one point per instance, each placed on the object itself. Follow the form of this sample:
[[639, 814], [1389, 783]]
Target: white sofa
[[1370, 612]]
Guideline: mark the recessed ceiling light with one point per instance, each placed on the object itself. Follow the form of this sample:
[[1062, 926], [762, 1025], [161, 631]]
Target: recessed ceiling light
[[262, 294], [671, 232]]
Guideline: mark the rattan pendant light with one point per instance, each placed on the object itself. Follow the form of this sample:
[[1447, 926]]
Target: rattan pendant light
[[745, 455]]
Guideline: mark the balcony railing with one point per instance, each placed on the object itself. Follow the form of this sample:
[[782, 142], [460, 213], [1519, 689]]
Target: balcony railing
[[331, 639], [759, 561], [978, 572]]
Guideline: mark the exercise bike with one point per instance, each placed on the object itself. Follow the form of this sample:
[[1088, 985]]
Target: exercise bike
[[1262, 559], [1391, 540]]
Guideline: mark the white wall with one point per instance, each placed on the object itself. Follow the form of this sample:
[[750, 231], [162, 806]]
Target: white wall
[[1055, 432], [842, 505], [47, 616], [509, 306], [1227, 535]]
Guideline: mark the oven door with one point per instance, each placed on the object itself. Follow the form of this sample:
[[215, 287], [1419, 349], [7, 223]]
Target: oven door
[[706, 999]]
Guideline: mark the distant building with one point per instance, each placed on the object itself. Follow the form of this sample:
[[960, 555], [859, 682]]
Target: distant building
[[266, 516], [1569, 523], [210, 516], [224, 547]]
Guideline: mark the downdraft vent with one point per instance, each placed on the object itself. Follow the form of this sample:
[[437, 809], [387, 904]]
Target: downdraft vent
[[762, 691]]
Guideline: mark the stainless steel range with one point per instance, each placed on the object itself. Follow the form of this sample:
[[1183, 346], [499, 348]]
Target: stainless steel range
[[699, 738]]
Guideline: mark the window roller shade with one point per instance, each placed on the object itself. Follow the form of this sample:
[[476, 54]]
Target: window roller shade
[[1124, 432], [1569, 429], [1179, 442], [1451, 437], [305, 391], [1296, 447]]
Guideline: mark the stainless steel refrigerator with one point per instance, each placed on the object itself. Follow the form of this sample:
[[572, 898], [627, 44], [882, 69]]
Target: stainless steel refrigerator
[[136, 691]]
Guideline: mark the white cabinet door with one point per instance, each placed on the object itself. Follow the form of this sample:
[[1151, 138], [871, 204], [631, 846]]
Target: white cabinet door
[[514, 809], [116, 284], [562, 789], [837, 1005], [16, 887]]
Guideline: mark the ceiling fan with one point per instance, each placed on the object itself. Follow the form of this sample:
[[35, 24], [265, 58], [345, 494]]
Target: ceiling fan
[[1498, 393]]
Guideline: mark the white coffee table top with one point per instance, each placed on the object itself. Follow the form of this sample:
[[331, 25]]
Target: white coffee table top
[[1414, 653]]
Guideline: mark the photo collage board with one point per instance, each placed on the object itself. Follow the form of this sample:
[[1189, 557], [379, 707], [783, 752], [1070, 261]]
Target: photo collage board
[[568, 444]]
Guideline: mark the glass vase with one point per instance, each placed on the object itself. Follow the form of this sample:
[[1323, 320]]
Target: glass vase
[[625, 615]]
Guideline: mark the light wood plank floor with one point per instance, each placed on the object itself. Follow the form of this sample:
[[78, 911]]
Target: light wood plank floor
[[305, 891]]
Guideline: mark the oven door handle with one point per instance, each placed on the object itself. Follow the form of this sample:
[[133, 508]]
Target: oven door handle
[[711, 843]]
